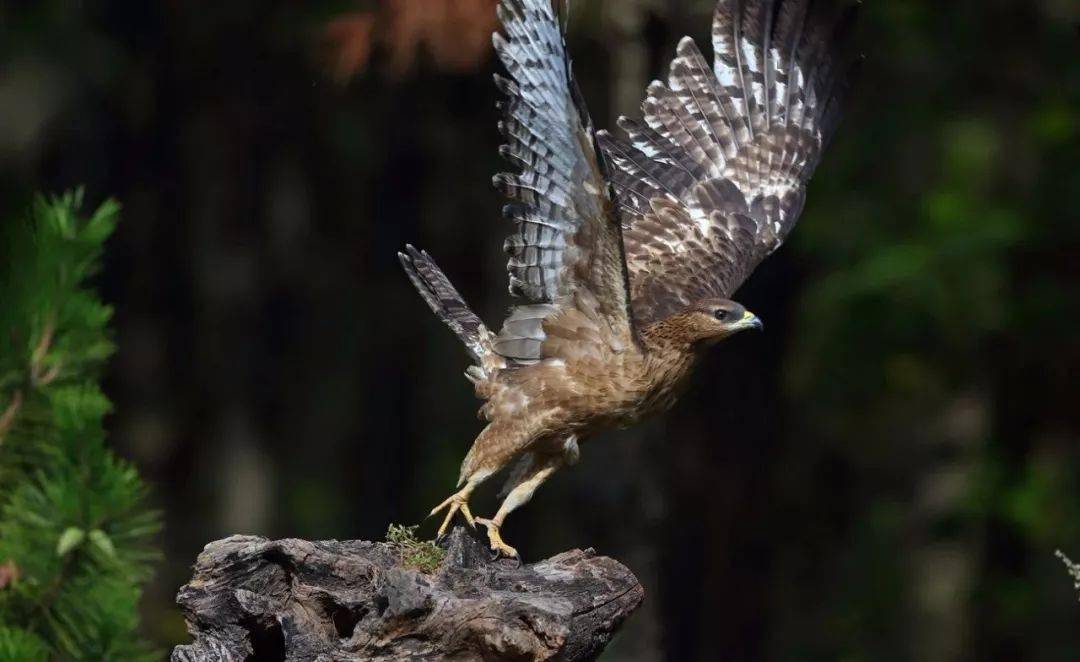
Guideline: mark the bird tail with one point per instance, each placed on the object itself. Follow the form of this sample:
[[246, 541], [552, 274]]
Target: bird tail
[[447, 304]]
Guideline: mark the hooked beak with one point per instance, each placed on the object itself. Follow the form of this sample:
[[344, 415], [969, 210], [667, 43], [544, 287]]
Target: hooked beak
[[751, 321]]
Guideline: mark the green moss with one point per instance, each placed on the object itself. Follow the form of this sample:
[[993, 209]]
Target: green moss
[[422, 555]]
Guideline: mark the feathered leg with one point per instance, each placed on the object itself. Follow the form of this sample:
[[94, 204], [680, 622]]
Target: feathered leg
[[498, 444], [539, 470], [491, 450]]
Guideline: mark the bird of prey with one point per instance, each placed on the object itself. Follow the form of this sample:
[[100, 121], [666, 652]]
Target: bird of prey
[[626, 250]]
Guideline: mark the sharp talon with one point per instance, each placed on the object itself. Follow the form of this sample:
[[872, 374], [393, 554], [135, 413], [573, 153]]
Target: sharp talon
[[497, 544], [436, 509]]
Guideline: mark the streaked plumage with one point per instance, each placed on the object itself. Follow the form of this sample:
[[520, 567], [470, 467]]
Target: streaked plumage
[[627, 249]]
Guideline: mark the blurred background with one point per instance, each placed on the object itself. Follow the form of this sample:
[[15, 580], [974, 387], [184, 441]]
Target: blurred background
[[883, 475]]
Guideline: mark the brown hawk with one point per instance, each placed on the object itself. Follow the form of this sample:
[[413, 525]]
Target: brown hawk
[[627, 249]]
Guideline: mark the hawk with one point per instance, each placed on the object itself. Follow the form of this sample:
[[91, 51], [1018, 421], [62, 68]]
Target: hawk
[[627, 249]]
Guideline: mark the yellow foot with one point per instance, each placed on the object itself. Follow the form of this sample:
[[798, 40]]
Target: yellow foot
[[456, 502], [495, 538]]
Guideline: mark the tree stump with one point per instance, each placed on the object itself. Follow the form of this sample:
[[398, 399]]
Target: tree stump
[[257, 599]]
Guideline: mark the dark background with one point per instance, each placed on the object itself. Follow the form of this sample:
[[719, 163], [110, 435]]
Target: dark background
[[883, 475]]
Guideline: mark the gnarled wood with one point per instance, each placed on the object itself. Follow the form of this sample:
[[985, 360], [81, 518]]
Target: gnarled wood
[[257, 599]]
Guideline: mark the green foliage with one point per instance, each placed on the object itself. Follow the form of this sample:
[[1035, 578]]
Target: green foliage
[[73, 523], [934, 347], [21, 646], [422, 555]]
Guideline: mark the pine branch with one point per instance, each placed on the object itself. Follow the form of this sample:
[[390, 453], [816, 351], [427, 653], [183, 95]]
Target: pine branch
[[74, 530]]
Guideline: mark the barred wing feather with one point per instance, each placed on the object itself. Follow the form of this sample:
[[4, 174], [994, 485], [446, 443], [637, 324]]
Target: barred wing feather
[[566, 251], [714, 177]]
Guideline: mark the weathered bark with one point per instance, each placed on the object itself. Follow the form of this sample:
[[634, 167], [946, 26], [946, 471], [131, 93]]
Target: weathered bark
[[257, 599]]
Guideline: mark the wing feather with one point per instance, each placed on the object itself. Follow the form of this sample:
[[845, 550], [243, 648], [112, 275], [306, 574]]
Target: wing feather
[[715, 178], [567, 247]]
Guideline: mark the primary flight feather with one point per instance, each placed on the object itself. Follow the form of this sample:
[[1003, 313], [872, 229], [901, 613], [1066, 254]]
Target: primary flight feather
[[626, 250]]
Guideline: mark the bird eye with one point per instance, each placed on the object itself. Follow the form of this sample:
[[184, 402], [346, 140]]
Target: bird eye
[[722, 314]]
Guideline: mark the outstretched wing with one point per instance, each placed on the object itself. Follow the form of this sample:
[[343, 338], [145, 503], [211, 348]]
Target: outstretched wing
[[565, 259], [715, 177]]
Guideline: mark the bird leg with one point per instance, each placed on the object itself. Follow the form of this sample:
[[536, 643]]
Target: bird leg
[[519, 495], [457, 501]]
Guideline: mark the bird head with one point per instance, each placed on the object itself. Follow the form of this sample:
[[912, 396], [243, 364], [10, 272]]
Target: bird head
[[709, 321]]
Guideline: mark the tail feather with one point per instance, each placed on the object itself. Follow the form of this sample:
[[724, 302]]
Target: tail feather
[[445, 301]]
